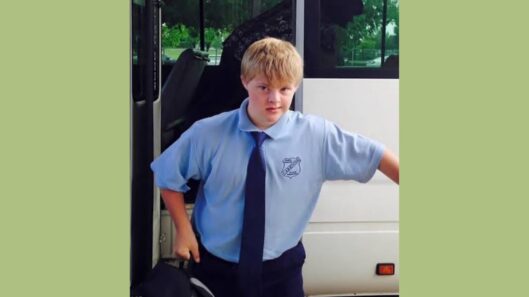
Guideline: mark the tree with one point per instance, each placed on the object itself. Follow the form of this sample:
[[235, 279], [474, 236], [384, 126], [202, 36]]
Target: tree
[[363, 33]]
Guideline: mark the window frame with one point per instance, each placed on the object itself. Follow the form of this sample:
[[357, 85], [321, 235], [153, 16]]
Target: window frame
[[311, 31]]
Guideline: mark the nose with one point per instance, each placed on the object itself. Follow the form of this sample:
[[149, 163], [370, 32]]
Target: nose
[[274, 96]]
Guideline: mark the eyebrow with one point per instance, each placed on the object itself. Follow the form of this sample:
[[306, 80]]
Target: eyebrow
[[282, 85]]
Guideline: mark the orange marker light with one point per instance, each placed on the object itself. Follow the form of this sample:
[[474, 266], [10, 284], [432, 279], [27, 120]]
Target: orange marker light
[[385, 269]]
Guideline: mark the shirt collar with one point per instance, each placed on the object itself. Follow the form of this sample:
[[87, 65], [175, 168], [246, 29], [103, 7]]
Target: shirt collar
[[245, 124]]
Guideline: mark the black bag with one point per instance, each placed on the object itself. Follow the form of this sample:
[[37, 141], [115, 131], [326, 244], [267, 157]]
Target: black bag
[[166, 280]]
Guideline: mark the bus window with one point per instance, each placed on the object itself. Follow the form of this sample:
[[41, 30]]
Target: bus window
[[352, 39], [182, 29]]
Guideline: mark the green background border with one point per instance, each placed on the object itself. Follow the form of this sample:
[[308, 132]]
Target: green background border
[[64, 122], [64, 116], [464, 148]]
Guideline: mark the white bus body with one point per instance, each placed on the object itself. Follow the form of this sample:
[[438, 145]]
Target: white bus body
[[354, 226]]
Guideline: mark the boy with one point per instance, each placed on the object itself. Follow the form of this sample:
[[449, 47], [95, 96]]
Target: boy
[[262, 167]]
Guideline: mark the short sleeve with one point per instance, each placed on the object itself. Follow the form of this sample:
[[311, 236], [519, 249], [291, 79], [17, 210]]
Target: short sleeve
[[349, 155], [177, 164]]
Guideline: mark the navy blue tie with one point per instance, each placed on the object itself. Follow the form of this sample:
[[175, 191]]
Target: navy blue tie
[[252, 238]]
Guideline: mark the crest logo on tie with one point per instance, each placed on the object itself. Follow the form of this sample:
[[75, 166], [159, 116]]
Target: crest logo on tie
[[291, 167]]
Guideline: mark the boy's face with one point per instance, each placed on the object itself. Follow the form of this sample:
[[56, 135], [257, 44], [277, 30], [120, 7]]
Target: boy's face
[[268, 102]]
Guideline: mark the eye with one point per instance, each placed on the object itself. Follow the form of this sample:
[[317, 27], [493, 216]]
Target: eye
[[262, 88], [285, 90]]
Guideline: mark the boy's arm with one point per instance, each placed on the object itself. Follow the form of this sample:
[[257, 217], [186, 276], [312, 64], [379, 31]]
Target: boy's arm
[[389, 165], [186, 241]]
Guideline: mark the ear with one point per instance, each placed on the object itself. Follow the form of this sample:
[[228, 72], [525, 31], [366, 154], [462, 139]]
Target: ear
[[244, 83]]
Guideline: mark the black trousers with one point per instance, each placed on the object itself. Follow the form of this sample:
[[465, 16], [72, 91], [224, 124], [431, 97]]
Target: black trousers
[[281, 276]]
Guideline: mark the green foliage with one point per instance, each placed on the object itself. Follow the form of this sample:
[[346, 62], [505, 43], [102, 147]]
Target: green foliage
[[182, 36], [179, 36], [363, 35], [214, 37]]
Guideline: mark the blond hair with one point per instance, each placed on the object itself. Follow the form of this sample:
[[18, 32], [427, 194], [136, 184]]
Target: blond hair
[[274, 58]]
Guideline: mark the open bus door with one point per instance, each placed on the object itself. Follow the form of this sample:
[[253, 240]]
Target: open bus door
[[345, 82], [145, 65]]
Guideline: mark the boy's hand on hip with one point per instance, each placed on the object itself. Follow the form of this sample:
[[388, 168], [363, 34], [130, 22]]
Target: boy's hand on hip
[[186, 245]]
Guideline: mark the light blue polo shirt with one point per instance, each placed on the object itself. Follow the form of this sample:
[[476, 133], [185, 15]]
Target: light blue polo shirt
[[301, 152]]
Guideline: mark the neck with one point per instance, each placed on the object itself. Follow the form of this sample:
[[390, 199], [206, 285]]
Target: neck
[[261, 126]]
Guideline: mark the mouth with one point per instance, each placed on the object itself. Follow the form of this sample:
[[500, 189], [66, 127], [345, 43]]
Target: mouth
[[272, 109]]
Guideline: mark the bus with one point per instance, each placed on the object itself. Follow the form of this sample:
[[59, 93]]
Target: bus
[[184, 58]]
